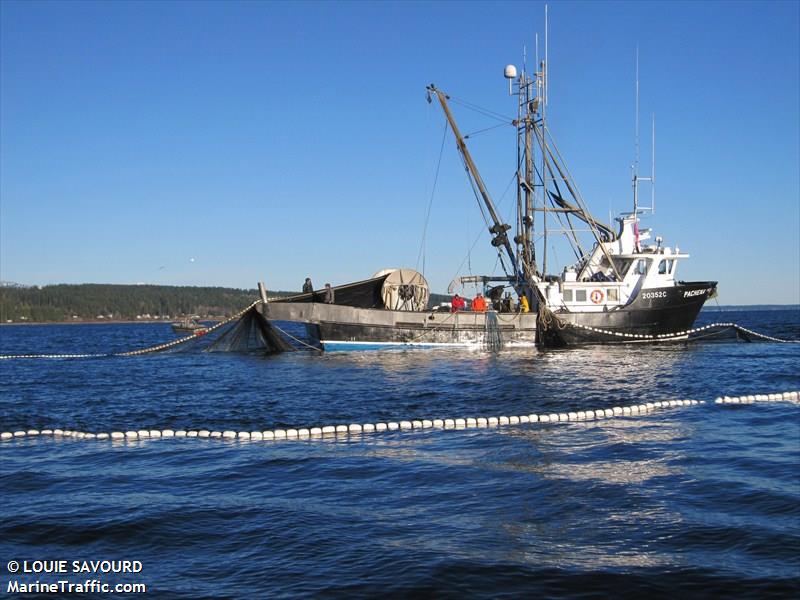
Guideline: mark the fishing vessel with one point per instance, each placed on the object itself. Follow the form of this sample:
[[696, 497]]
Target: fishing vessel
[[189, 325], [621, 287]]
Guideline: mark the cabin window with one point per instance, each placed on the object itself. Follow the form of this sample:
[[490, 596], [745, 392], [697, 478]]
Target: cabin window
[[641, 266], [567, 295], [612, 294], [622, 265], [665, 266], [580, 295]]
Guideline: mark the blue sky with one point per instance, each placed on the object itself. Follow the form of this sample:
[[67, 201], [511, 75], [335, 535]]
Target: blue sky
[[225, 143]]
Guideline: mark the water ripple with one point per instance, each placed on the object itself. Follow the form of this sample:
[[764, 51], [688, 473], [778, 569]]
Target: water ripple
[[699, 501]]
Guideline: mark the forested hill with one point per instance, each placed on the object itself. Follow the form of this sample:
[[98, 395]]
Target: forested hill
[[94, 302], [91, 302]]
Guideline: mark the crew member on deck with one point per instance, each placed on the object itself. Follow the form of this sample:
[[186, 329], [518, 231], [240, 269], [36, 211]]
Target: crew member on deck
[[523, 304], [327, 294], [496, 297], [308, 287], [479, 303], [506, 307], [457, 304]]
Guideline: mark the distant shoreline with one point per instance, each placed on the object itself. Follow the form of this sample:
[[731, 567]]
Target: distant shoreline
[[108, 322]]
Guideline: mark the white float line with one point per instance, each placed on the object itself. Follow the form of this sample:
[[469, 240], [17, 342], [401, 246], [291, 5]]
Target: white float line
[[358, 429], [9, 356], [647, 336], [680, 334], [766, 337], [189, 338], [635, 336], [149, 350]]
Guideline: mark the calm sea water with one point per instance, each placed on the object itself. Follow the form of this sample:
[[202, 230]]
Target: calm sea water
[[701, 501]]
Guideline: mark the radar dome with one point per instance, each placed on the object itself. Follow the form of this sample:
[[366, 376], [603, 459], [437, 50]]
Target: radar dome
[[510, 72]]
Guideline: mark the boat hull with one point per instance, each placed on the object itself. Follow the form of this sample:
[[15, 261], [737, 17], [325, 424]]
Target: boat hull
[[669, 311], [346, 326], [183, 329]]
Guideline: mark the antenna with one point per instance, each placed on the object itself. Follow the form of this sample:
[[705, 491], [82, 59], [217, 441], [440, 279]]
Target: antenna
[[636, 124], [653, 166], [636, 177], [544, 66], [524, 58], [546, 62]]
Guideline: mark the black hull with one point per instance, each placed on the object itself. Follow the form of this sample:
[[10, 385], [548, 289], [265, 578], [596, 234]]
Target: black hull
[[654, 315]]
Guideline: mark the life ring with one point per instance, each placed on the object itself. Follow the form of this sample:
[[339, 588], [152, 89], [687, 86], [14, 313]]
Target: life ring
[[596, 296]]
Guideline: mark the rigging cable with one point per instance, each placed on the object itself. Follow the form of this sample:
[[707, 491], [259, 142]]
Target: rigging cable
[[477, 195], [569, 179], [466, 137], [421, 254], [480, 110], [577, 249], [480, 233]]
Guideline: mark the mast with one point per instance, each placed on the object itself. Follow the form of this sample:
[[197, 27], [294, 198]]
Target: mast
[[543, 77], [560, 197], [528, 103], [527, 220], [498, 228], [521, 239], [636, 177], [525, 182], [550, 176], [636, 145]]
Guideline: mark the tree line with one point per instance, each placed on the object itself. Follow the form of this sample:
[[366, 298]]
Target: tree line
[[91, 302], [67, 302]]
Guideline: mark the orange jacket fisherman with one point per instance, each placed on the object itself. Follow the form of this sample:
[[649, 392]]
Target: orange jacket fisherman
[[479, 303]]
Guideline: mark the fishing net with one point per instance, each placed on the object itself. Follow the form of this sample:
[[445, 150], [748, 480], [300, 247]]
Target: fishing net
[[251, 332], [494, 338]]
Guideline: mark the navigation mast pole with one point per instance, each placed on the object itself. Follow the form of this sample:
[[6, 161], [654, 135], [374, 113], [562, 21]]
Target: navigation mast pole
[[636, 177], [522, 231], [528, 222], [636, 144], [544, 68], [528, 218], [653, 167], [525, 172]]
